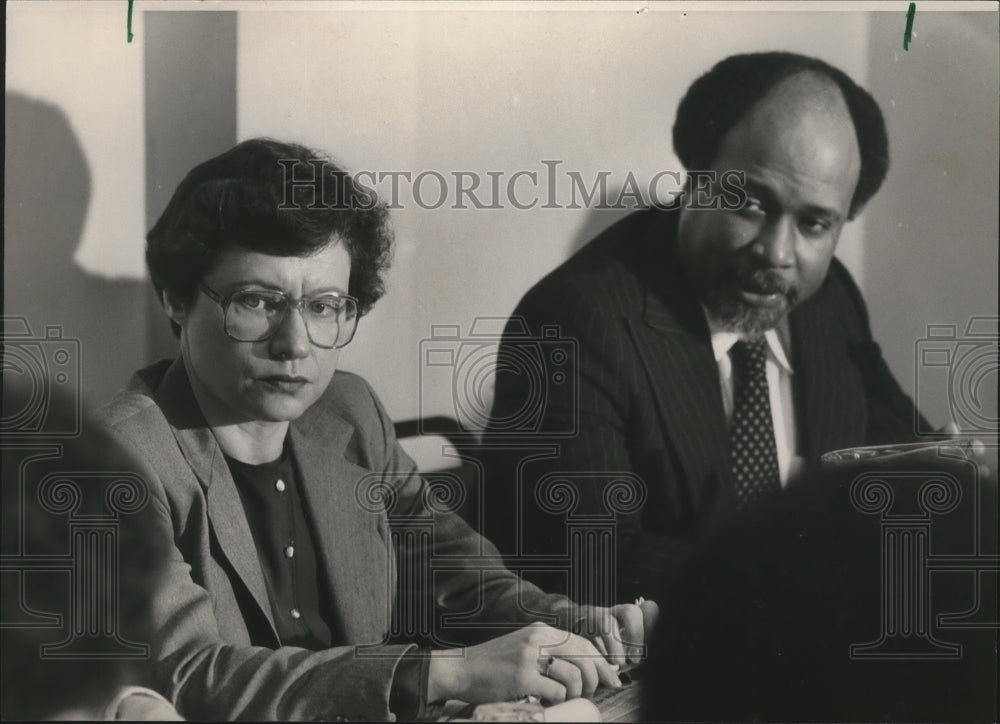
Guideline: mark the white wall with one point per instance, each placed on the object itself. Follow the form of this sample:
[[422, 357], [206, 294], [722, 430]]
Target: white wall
[[74, 218], [932, 250], [82, 63], [493, 89]]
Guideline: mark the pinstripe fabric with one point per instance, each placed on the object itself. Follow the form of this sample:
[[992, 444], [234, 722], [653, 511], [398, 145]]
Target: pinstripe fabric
[[644, 399]]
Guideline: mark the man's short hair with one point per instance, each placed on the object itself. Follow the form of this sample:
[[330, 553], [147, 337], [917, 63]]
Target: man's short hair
[[723, 96], [274, 198]]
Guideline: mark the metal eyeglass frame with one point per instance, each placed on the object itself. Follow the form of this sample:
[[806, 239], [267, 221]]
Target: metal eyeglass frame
[[298, 304]]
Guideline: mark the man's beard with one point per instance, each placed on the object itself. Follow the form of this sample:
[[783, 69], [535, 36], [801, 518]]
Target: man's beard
[[729, 310]]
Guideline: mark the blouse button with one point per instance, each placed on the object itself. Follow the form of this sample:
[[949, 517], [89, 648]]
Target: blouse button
[[289, 551], [280, 486], [295, 613]]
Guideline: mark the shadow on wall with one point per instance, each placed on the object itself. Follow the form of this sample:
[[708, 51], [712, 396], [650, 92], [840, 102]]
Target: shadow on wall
[[610, 208], [47, 193]]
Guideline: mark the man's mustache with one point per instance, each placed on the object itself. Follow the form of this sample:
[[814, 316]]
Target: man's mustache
[[763, 281]]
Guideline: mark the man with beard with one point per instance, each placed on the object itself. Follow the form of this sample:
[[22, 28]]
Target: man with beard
[[714, 350]]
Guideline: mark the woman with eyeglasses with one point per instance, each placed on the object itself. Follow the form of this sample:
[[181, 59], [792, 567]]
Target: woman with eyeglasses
[[280, 482]]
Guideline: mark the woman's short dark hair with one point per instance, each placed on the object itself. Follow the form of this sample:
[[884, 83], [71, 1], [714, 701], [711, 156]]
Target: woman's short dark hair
[[719, 99], [275, 198]]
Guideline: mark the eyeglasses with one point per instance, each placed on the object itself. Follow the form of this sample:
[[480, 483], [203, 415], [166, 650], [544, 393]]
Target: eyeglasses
[[253, 315]]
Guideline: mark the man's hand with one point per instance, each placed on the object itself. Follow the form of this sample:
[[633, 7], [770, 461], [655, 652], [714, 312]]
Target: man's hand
[[537, 660], [985, 456], [621, 632]]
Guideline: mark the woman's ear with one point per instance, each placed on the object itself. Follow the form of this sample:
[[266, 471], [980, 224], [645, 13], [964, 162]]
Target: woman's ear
[[174, 307]]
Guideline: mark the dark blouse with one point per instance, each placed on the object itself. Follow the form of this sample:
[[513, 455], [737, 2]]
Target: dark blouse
[[283, 537], [284, 541]]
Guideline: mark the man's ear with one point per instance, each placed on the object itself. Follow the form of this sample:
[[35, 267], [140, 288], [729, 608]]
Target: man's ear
[[174, 307]]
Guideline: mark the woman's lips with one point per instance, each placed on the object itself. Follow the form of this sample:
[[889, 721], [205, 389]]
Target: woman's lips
[[285, 383]]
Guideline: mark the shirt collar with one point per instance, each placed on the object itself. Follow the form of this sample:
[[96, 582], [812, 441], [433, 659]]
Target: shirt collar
[[776, 338]]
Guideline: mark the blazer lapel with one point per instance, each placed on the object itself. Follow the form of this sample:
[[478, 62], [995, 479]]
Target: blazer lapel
[[677, 353], [225, 509], [830, 407], [673, 342], [351, 538]]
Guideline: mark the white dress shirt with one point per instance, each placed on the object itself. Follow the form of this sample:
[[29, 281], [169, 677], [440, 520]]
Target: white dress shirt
[[779, 383]]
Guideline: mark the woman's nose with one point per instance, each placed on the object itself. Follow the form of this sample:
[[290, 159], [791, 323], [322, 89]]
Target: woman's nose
[[291, 339]]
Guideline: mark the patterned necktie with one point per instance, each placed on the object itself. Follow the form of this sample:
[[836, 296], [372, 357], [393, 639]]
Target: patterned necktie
[[752, 450]]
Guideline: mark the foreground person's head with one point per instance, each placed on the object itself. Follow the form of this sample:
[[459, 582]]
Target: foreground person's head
[[265, 259], [77, 614]]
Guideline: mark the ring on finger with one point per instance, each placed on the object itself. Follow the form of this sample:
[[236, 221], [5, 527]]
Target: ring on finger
[[548, 665]]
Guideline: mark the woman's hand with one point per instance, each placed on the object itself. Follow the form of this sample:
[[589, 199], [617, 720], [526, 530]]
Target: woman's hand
[[621, 632], [537, 660]]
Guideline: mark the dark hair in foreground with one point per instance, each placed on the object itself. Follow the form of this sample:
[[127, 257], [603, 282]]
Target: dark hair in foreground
[[37, 685], [759, 622], [274, 198], [722, 97]]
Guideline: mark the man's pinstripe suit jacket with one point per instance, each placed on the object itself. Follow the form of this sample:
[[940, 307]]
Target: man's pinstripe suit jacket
[[641, 396]]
